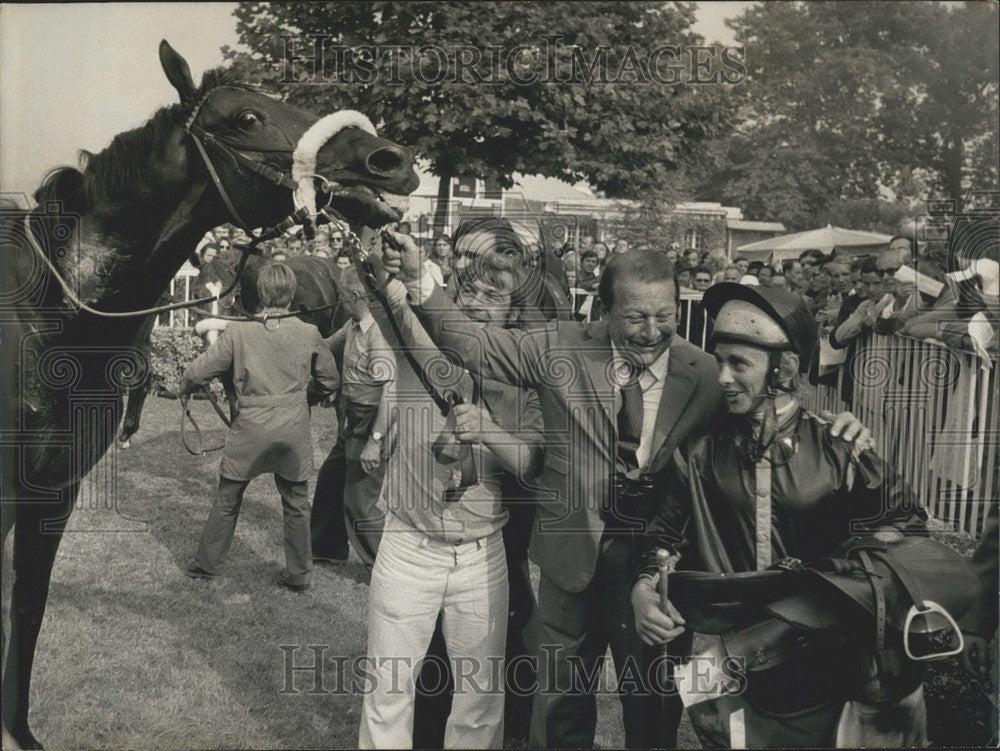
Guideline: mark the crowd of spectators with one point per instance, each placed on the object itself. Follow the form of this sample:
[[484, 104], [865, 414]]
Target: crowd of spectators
[[902, 288]]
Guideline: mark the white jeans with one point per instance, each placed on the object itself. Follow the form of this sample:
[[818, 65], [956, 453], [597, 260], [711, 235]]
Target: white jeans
[[414, 579]]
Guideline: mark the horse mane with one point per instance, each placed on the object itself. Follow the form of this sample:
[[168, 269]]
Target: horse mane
[[115, 176]]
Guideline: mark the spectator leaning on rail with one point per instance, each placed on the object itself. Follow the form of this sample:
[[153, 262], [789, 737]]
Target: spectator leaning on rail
[[771, 459], [967, 315], [601, 418], [859, 313], [273, 369]]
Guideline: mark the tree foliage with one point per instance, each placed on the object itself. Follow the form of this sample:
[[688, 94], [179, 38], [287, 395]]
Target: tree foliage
[[852, 100], [627, 137]]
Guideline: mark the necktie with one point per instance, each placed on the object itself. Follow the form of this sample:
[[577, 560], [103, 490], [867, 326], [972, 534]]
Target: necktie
[[630, 424]]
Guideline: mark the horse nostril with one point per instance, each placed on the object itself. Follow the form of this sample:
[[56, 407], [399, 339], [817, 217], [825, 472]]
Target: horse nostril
[[386, 160]]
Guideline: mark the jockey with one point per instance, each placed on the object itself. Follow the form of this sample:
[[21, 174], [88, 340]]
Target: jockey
[[765, 483]]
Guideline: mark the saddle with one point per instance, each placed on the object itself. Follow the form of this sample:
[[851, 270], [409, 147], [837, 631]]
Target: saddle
[[912, 586], [893, 599]]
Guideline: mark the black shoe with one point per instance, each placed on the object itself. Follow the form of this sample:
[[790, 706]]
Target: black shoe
[[283, 582], [199, 573], [335, 558]]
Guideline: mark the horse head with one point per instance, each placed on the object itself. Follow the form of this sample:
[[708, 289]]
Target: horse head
[[264, 156]]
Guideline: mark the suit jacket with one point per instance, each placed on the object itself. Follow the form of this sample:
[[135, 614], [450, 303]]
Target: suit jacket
[[569, 365]]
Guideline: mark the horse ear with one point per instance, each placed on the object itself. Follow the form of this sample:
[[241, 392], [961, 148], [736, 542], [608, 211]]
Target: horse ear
[[177, 70], [83, 158]]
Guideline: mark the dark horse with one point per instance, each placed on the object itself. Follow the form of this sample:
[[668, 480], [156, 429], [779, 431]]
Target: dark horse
[[116, 233]]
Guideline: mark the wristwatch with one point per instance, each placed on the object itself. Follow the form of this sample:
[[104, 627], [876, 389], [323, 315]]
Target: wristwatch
[[377, 437]]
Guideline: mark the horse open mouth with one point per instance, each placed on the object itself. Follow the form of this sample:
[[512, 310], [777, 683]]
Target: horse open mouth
[[362, 204], [351, 190]]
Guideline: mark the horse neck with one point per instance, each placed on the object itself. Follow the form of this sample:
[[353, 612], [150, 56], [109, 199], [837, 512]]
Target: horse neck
[[127, 259]]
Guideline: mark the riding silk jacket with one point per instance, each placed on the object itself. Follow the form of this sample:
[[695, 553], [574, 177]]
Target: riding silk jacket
[[272, 365], [820, 496]]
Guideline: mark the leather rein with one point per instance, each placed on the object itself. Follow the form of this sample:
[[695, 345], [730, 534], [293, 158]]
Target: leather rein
[[201, 137]]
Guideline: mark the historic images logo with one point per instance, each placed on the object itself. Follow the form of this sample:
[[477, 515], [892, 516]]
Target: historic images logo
[[314, 58]]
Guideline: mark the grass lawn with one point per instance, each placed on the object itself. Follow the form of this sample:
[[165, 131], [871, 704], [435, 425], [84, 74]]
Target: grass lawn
[[134, 654]]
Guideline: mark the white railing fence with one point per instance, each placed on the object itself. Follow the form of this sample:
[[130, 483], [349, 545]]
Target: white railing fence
[[933, 412], [182, 290]]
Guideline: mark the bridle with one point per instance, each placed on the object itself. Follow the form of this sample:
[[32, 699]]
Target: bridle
[[201, 137], [300, 216]]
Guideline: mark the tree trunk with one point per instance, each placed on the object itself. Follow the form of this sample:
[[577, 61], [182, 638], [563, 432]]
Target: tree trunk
[[954, 162], [443, 203]]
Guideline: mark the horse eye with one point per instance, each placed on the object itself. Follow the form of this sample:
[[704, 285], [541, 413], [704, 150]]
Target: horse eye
[[248, 119]]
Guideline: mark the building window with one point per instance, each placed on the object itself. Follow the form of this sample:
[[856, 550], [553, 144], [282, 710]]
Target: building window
[[693, 239]]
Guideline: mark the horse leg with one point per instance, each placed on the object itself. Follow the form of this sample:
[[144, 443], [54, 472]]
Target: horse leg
[[35, 549], [136, 395], [135, 400]]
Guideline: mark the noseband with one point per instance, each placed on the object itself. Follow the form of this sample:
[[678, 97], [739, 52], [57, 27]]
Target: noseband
[[302, 215]]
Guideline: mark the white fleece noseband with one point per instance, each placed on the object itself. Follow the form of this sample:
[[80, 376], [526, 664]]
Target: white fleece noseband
[[307, 149]]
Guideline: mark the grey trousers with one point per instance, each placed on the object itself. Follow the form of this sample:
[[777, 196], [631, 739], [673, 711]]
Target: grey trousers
[[221, 525]]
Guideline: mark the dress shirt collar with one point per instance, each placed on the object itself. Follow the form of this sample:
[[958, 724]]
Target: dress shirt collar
[[657, 369], [366, 322]]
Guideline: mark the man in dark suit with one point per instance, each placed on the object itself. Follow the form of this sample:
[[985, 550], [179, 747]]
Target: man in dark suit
[[583, 599], [617, 398]]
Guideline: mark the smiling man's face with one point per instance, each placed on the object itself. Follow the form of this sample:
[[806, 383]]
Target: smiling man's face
[[643, 317]]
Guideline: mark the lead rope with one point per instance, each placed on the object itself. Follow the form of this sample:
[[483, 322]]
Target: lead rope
[[186, 416]]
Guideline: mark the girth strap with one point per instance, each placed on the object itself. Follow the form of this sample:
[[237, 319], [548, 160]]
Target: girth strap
[[880, 614]]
